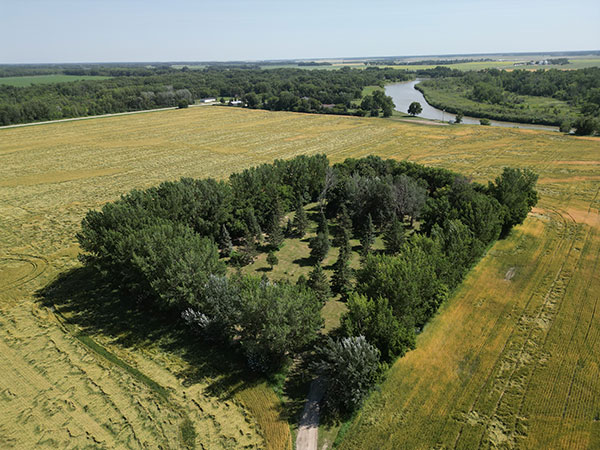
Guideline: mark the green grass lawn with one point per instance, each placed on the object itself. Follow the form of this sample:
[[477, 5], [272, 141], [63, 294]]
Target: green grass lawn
[[294, 261], [46, 79]]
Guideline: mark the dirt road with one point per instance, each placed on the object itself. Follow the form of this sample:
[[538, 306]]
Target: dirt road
[[308, 429]]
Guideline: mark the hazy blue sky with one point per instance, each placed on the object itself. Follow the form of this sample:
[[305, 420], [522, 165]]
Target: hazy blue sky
[[187, 30]]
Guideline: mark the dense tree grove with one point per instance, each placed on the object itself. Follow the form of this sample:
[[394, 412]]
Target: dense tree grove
[[167, 246], [139, 88]]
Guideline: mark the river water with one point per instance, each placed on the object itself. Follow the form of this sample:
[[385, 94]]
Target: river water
[[405, 93]]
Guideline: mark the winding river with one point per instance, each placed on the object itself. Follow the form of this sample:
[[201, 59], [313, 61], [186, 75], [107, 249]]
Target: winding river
[[405, 93]]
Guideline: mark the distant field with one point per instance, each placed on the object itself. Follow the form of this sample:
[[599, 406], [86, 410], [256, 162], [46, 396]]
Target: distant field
[[510, 361], [575, 63], [46, 79]]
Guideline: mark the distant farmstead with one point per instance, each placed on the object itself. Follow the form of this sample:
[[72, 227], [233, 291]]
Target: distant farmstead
[[208, 100]]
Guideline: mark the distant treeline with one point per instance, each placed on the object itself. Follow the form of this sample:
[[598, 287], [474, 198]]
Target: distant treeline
[[313, 64], [425, 62], [105, 69], [558, 61], [166, 249], [138, 88]]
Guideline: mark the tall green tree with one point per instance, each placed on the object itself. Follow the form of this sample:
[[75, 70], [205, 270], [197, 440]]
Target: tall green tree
[[318, 282], [289, 228], [300, 220], [349, 368], [415, 108], [319, 247], [374, 319], [269, 321], [275, 236], [253, 226], [173, 264], [394, 236], [272, 259], [322, 226], [225, 243], [368, 236], [515, 189], [341, 281], [408, 280], [247, 252], [344, 228]]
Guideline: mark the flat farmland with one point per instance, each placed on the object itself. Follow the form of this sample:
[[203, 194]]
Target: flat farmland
[[510, 361], [46, 79]]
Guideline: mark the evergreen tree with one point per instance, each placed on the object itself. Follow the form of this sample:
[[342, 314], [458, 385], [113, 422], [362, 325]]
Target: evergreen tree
[[248, 251], [317, 281], [319, 246], [289, 228], [253, 226], [322, 226], [300, 221], [341, 281], [275, 237], [394, 236], [225, 242], [344, 218], [344, 228], [368, 237], [272, 259], [302, 281]]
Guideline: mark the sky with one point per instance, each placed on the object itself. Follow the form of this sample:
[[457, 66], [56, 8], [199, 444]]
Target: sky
[[60, 31]]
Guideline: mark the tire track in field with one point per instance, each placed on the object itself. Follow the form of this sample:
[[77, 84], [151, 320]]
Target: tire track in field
[[467, 388], [537, 362], [547, 261], [485, 418], [39, 264], [580, 348], [518, 360]]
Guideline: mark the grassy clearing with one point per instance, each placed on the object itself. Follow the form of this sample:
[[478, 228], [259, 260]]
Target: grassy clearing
[[511, 362], [46, 79]]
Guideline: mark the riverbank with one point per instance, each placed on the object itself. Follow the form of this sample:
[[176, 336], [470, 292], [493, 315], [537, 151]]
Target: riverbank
[[452, 96], [404, 93]]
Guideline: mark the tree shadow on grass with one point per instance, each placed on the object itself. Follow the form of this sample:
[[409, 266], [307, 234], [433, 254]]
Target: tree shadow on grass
[[92, 302], [304, 262]]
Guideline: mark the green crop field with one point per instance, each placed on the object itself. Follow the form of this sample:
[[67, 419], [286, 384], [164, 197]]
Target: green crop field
[[46, 79], [510, 361]]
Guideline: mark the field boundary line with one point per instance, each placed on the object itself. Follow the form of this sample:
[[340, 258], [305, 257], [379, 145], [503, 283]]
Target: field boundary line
[[99, 116]]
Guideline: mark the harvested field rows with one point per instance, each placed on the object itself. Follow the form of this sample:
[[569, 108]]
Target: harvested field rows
[[510, 361]]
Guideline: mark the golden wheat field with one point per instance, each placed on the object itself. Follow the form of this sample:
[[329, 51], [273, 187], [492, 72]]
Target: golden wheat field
[[512, 360]]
